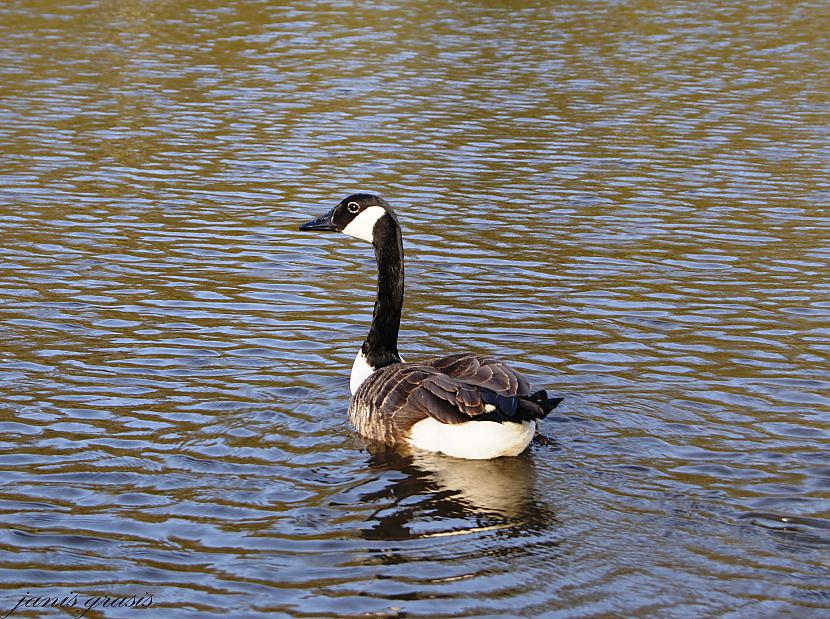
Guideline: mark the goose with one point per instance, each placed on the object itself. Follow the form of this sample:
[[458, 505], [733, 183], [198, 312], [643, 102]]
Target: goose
[[465, 405]]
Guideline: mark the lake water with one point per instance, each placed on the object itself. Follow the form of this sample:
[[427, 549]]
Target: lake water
[[627, 200]]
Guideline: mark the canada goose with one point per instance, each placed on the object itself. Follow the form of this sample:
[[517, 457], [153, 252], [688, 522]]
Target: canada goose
[[464, 405]]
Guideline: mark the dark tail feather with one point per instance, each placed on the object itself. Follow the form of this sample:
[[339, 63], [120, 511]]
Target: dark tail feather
[[545, 403], [508, 404], [517, 408], [505, 405]]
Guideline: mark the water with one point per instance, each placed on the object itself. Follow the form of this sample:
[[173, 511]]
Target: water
[[628, 201]]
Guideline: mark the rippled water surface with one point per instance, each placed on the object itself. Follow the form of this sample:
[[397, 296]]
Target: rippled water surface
[[628, 200]]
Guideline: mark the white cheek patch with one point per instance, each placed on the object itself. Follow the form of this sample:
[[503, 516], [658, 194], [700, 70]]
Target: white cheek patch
[[363, 226]]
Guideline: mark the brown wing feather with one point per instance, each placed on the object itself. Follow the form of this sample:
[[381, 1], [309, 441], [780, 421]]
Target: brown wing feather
[[390, 401], [484, 372]]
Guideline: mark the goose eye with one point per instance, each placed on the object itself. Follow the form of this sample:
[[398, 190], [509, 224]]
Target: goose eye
[[353, 207]]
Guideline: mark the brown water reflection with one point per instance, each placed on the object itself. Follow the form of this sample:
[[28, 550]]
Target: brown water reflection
[[627, 200]]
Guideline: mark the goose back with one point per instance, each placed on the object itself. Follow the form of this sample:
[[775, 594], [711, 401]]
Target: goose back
[[484, 372], [452, 390]]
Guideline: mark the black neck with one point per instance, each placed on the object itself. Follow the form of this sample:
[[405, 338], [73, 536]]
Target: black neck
[[381, 345]]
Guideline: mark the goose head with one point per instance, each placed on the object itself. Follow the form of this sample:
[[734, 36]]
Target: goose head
[[357, 216]]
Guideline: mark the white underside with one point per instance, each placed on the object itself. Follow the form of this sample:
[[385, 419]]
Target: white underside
[[475, 440]]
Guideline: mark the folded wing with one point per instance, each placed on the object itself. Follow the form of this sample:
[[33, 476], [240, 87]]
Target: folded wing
[[393, 399], [483, 372]]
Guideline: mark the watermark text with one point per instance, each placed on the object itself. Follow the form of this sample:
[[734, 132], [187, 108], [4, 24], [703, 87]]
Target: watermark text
[[81, 603]]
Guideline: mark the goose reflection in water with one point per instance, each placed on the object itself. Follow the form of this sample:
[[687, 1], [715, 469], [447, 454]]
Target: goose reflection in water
[[440, 496]]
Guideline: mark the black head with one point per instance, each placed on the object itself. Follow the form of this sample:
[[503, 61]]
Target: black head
[[355, 216]]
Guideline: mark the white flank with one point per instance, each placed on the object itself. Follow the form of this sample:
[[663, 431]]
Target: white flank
[[360, 372], [475, 440], [363, 226]]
